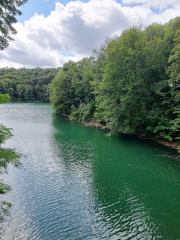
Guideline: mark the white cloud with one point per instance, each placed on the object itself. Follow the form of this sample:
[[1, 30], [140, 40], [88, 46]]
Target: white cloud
[[78, 28], [157, 4]]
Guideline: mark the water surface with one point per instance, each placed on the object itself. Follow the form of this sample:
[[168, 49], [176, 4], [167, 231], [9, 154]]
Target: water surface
[[77, 183]]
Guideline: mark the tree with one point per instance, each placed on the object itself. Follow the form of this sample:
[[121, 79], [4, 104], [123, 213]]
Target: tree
[[174, 60], [4, 98], [8, 10], [19, 90], [7, 156], [125, 84], [155, 30], [71, 90], [62, 91], [122, 86], [174, 81], [27, 84]]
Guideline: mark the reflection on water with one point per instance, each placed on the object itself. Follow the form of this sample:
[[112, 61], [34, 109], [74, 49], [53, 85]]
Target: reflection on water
[[77, 183]]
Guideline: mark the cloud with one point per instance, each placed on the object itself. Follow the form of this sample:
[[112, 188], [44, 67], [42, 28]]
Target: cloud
[[78, 28], [160, 4]]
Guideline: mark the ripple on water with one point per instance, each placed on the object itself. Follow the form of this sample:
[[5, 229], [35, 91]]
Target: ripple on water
[[76, 183]]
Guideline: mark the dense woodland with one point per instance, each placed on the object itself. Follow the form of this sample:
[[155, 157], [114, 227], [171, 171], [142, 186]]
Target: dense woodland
[[131, 84], [27, 84]]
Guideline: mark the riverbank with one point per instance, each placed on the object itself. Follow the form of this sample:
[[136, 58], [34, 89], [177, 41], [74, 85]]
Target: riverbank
[[165, 142], [173, 144]]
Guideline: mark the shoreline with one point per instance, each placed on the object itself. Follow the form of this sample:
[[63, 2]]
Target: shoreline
[[174, 144]]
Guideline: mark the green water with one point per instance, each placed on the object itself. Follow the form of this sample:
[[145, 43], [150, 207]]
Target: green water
[[77, 183]]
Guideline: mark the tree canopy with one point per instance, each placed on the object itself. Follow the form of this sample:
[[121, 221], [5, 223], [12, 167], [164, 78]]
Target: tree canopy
[[8, 11], [131, 84], [27, 84]]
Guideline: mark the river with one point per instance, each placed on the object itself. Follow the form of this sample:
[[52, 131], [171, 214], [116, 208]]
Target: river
[[77, 183]]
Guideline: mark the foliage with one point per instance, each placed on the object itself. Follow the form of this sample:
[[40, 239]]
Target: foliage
[[83, 113], [4, 98], [174, 60], [7, 156], [27, 84], [62, 94], [8, 10], [123, 76], [131, 83], [71, 88]]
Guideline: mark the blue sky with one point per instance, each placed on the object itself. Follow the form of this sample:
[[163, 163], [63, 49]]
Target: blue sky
[[73, 30], [40, 7]]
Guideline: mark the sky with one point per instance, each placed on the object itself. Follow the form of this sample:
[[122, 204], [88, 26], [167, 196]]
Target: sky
[[51, 32]]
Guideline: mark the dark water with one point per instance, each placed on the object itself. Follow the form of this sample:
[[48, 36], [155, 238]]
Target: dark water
[[77, 183]]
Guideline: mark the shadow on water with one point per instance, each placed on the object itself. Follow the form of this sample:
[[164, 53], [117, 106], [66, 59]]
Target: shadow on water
[[135, 192]]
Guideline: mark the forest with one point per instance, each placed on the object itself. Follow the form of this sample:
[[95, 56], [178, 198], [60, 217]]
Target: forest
[[130, 84], [27, 84]]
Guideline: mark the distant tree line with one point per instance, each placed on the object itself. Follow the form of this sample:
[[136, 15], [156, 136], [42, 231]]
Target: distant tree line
[[131, 84], [27, 84]]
